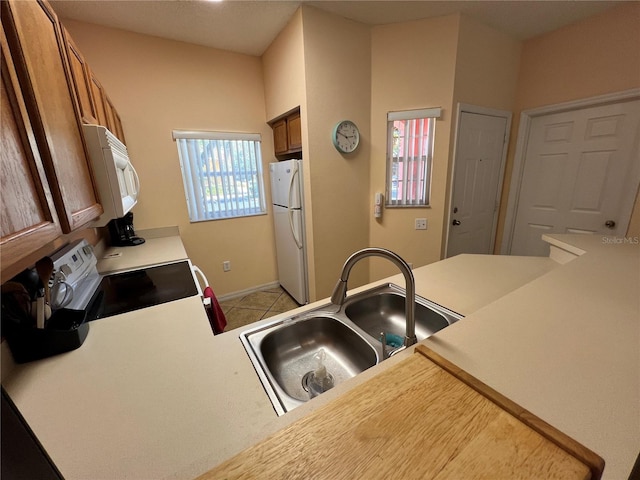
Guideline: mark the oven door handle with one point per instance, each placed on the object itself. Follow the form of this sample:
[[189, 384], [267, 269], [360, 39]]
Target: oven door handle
[[202, 276]]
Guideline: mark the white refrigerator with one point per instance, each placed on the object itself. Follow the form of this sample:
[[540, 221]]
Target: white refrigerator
[[288, 216]]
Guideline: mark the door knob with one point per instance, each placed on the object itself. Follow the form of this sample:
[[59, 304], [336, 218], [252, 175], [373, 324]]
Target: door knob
[[610, 224], [456, 222]]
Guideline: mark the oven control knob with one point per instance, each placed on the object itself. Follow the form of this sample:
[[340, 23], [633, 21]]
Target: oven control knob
[[66, 270]]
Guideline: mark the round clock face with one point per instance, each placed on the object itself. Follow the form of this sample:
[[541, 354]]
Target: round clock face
[[346, 136]]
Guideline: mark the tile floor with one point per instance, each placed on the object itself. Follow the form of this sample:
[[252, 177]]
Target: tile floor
[[255, 306]]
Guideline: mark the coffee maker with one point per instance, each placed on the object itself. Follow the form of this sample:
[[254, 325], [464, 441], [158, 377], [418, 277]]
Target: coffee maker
[[122, 233]]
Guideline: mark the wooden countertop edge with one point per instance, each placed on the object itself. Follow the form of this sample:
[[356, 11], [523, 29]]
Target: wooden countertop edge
[[566, 443]]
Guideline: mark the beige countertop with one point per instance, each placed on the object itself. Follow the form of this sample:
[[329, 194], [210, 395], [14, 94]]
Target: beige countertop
[[147, 393], [154, 394], [566, 347], [161, 245]]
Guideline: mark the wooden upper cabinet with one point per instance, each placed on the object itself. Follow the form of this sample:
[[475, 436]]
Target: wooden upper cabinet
[[280, 136], [80, 81], [28, 218], [98, 98], [35, 40], [92, 101], [294, 132], [287, 134], [114, 124]]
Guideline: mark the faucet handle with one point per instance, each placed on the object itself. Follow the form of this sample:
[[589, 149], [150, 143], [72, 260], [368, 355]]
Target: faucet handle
[[383, 341], [389, 351], [397, 350]]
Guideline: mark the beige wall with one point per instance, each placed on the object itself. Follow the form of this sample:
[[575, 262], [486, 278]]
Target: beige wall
[[285, 89], [486, 66], [334, 68], [596, 56], [301, 68], [428, 49], [338, 76], [159, 85], [472, 64], [283, 67]]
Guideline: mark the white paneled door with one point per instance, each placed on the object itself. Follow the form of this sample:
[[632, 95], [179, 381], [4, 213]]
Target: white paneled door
[[580, 175], [481, 142]]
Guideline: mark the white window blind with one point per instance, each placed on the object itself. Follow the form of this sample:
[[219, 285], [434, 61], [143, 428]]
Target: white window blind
[[410, 136], [222, 174]]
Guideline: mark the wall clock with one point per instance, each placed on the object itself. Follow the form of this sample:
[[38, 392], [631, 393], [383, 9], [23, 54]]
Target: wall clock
[[345, 136]]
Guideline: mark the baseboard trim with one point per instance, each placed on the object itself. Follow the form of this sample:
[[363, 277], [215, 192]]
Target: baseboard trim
[[242, 293]]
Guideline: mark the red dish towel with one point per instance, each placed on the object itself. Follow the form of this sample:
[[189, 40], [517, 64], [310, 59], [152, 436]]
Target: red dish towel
[[216, 315]]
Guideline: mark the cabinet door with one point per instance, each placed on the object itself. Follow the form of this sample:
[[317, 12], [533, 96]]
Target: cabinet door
[[280, 137], [98, 97], [28, 219], [80, 81], [114, 124], [294, 132], [118, 124], [35, 40]]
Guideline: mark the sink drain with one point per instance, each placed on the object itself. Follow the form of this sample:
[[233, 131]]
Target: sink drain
[[305, 381]]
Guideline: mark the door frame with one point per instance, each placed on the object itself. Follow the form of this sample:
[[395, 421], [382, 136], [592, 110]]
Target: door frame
[[526, 117], [492, 112]]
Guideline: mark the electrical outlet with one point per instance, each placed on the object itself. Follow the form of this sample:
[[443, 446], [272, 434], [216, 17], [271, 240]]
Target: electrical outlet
[[421, 223], [226, 265]]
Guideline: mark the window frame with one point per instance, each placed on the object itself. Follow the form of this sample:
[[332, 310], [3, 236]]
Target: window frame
[[202, 206], [430, 114]]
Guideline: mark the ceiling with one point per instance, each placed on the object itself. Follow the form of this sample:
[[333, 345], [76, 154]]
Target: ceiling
[[250, 26]]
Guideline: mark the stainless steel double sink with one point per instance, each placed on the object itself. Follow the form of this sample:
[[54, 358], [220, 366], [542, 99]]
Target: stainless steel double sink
[[284, 352]]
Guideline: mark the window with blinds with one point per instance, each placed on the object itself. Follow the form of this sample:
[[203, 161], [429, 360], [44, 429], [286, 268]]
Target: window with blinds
[[410, 136], [222, 174]]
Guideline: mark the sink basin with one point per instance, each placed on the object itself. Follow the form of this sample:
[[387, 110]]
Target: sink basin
[[384, 311], [282, 351], [289, 353]]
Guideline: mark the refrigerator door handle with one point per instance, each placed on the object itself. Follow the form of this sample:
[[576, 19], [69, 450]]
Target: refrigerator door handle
[[292, 180], [293, 231], [290, 211]]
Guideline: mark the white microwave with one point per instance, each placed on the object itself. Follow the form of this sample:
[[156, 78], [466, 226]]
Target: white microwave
[[117, 181]]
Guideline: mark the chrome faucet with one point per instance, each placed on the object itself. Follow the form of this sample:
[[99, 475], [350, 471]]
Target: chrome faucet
[[340, 291]]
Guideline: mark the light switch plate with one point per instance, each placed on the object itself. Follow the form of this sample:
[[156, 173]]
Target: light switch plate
[[421, 223]]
